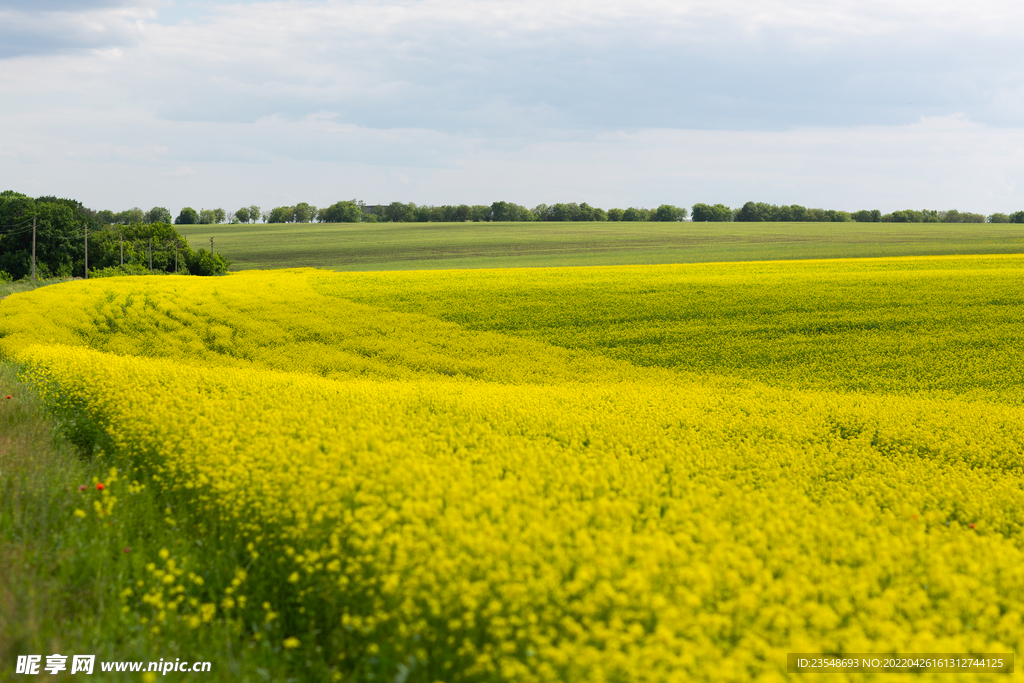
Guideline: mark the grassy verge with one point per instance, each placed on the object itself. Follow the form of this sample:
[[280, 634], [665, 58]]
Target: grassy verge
[[8, 288], [431, 246], [84, 567]]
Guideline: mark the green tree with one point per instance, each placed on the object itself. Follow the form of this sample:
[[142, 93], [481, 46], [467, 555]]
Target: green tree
[[868, 216], [105, 252], [905, 216], [255, 214], [502, 211], [750, 213], [586, 212], [158, 214], [1017, 217], [304, 213], [60, 243], [564, 212], [133, 215], [795, 213], [342, 212], [635, 214], [203, 262], [668, 213], [719, 213], [281, 214], [398, 212], [615, 214], [999, 218], [242, 214], [479, 212], [187, 216], [106, 217]]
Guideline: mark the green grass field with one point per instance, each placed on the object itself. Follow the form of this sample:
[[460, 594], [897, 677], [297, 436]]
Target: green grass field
[[430, 246]]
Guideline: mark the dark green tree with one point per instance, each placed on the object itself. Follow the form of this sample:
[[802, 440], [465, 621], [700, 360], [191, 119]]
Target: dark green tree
[[397, 212], [187, 216], [158, 214], [667, 213], [564, 212], [750, 213], [342, 212], [719, 213], [867, 216], [304, 213], [479, 212], [635, 214], [60, 235], [281, 214], [203, 262]]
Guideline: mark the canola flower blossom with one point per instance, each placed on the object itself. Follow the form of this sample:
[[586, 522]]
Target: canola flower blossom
[[548, 499]]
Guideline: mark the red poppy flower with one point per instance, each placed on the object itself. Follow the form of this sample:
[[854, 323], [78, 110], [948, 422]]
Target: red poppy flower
[[100, 486], [83, 487]]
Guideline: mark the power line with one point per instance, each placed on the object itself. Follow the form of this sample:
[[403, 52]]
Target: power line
[[15, 226], [20, 231]]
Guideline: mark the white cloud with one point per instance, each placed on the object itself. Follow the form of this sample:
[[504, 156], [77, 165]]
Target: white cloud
[[946, 162], [67, 27], [180, 172], [848, 103]]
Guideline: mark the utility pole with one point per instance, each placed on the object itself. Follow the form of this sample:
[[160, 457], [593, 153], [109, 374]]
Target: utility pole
[[151, 254], [86, 251], [33, 248], [211, 246]]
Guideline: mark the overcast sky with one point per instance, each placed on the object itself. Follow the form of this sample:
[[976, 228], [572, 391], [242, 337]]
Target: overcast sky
[[845, 104]]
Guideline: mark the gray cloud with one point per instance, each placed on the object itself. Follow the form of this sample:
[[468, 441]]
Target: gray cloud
[[64, 5], [475, 65], [434, 64], [63, 30], [590, 97]]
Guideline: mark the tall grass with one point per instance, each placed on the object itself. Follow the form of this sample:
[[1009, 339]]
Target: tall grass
[[63, 576]]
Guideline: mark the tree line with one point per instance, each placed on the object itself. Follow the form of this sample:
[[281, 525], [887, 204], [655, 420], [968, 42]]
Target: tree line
[[355, 211], [62, 226], [755, 212]]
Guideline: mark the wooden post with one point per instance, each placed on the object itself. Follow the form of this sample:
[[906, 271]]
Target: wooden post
[[33, 248], [86, 251], [211, 246]]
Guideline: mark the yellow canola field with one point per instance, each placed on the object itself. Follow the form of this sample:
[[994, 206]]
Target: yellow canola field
[[469, 505]]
